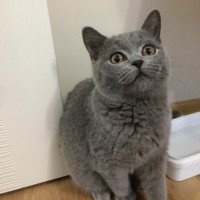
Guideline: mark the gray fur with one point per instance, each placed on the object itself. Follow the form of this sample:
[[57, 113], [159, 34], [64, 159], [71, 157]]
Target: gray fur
[[115, 127]]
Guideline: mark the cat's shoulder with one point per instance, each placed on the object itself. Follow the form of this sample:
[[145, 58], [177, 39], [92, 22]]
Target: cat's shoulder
[[85, 85]]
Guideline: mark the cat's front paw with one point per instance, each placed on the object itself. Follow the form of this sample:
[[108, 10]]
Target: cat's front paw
[[132, 196], [101, 196]]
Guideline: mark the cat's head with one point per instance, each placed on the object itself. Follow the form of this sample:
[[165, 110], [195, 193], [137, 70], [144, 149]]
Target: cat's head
[[130, 64]]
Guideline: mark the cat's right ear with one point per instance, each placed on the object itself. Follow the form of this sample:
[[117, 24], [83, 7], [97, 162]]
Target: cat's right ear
[[152, 24], [93, 41]]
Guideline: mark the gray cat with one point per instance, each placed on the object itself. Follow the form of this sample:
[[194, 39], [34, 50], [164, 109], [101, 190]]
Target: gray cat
[[115, 127]]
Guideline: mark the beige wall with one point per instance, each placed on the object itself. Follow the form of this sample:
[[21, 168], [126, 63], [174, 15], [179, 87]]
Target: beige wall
[[180, 35]]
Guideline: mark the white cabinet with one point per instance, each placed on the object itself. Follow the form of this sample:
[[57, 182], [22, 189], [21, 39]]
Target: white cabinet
[[30, 99]]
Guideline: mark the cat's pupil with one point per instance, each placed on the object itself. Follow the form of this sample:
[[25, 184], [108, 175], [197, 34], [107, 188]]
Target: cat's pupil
[[117, 58], [148, 51]]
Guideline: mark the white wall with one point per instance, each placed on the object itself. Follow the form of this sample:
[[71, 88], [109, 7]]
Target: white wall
[[180, 35]]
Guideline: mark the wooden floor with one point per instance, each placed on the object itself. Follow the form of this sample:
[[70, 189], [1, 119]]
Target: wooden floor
[[65, 189]]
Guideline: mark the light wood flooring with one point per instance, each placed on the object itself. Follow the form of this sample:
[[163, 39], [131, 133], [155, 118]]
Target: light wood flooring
[[65, 189]]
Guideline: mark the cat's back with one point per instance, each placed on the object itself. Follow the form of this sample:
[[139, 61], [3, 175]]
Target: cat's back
[[76, 108], [78, 95]]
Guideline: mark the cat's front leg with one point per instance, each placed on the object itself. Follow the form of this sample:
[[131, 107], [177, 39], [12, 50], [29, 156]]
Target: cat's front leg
[[156, 189], [132, 196], [119, 182], [153, 180], [101, 196]]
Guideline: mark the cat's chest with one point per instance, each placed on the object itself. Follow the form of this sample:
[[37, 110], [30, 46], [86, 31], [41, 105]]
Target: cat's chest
[[127, 119], [125, 131]]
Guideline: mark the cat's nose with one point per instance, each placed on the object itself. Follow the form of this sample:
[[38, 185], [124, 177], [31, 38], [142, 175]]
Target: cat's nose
[[138, 63]]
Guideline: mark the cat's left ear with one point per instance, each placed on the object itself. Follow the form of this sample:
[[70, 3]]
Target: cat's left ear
[[93, 41], [152, 24]]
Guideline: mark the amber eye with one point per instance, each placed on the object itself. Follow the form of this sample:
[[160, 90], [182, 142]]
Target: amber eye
[[117, 58], [148, 51]]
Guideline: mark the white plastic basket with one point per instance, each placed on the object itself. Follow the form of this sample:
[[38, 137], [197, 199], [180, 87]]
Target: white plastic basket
[[184, 147]]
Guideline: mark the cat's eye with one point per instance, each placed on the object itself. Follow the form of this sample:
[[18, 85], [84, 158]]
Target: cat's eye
[[148, 50], [117, 58]]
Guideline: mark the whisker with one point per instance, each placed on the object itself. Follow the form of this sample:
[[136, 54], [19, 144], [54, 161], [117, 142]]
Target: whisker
[[179, 81], [186, 64], [124, 74], [191, 56]]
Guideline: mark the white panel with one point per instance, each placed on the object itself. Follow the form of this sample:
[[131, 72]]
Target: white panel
[[29, 90], [9, 177]]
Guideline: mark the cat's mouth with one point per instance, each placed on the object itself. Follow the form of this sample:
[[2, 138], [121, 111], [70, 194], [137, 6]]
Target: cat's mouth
[[129, 77], [140, 74]]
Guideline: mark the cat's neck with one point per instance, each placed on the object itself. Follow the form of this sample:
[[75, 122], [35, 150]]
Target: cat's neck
[[155, 98]]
